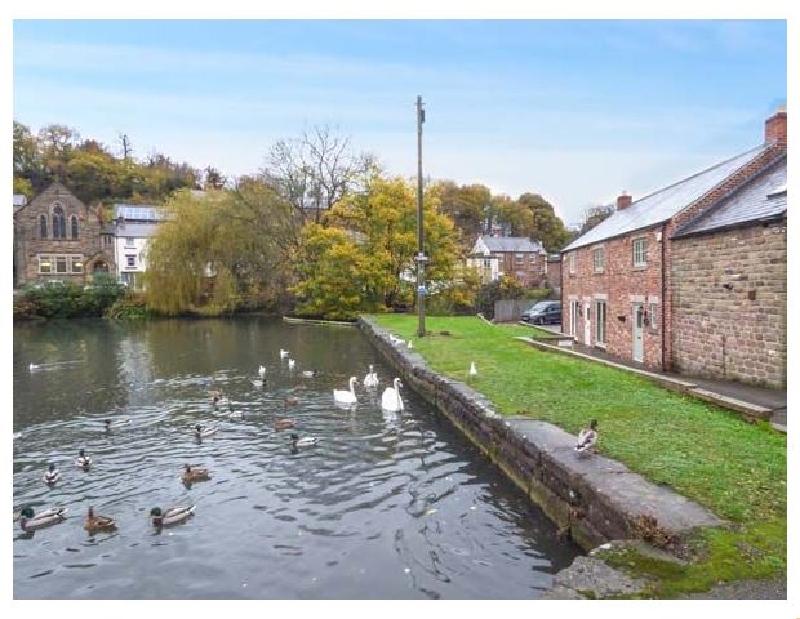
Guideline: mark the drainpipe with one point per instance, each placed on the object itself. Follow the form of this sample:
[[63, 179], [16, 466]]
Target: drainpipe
[[664, 297], [561, 277]]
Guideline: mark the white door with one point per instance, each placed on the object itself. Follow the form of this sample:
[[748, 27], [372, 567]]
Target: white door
[[587, 323], [638, 332], [573, 318]]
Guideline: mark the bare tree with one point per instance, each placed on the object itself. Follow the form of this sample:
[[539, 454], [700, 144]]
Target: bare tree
[[315, 171], [127, 147]]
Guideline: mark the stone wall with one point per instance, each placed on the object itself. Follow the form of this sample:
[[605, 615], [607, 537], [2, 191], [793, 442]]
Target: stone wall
[[595, 499], [737, 333]]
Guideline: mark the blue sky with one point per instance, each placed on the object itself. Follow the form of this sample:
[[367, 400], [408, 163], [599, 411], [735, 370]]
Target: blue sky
[[575, 110]]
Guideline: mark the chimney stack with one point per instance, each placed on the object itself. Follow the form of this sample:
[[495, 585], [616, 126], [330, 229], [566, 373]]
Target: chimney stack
[[624, 201], [775, 127]]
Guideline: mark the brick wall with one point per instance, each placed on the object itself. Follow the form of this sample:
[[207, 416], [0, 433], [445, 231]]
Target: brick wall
[[620, 283], [532, 267], [29, 243], [723, 333]]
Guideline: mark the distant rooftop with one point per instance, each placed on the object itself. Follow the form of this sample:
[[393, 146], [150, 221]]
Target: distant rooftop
[[511, 244], [665, 203]]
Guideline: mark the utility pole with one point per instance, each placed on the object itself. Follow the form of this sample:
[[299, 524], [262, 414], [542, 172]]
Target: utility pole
[[420, 258]]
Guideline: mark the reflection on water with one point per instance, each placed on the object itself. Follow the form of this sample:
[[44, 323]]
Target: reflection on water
[[386, 505]]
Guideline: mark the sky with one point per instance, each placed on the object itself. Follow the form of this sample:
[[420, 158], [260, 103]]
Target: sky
[[576, 110]]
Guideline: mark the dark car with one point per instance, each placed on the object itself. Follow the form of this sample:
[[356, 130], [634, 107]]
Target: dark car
[[543, 313]]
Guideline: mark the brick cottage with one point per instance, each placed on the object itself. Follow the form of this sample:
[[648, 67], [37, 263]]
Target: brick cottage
[[650, 283]]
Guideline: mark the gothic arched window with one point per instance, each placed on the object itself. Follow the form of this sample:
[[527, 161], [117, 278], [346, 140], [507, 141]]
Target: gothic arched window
[[74, 226], [59, 223], [42, 227]]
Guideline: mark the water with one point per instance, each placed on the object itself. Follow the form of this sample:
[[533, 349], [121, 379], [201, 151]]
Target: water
[[386, 506]]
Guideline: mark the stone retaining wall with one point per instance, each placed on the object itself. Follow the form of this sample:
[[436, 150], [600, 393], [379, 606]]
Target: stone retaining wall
[[597, 499]]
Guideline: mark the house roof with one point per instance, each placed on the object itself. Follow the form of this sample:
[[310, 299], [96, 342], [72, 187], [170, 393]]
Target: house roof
[[763, 197], [665, 203], [517, 244]]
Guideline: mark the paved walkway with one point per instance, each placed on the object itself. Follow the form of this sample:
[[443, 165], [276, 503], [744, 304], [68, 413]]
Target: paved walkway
[[772, 399]]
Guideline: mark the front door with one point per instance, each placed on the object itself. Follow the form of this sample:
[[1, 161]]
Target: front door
[[638, 332], [587, 323], [573, 318]]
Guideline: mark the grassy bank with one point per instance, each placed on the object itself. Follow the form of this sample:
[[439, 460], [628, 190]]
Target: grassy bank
[[736, 469]]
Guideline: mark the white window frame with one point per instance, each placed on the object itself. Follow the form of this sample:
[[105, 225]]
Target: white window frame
[[572, 263], [640, 242], [48, 260], [62, 260], [519, 259], [652, 311], [599, 265], [600, 311], [76, 261], [130, 261]]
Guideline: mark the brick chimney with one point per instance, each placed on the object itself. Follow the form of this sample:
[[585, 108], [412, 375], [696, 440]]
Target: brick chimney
[[624, 201], [775, 127]]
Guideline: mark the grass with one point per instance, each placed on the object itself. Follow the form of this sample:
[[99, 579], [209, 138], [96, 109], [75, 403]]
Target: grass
[[736, 469]]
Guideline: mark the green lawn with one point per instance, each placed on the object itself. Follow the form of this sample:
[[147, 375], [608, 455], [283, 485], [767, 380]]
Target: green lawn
[[736, 469]]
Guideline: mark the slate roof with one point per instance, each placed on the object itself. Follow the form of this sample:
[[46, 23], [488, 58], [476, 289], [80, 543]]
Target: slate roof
[[137, 229], [665, 203], [516, 244], [762, 198]]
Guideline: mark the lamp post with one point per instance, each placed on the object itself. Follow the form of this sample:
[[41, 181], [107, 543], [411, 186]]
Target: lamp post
[[420, 258]]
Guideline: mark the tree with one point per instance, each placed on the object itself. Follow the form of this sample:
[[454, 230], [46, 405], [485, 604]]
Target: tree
[[546, 226], [214, 179], [593, 216], [467, 207], [315, 171]]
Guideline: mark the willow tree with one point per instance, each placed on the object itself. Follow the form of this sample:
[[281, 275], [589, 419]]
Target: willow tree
[[220, 252], [368, 249]]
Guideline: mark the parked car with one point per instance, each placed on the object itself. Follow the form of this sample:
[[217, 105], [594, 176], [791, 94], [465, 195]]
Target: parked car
[[543, 313]]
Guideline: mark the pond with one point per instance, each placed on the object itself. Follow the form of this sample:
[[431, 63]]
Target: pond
[[384, 506]]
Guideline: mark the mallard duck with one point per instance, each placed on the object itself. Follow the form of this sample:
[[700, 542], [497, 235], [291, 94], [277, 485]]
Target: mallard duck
[[587, 438], [51, 475], [83, 461], [309, 373], [371, 378], [201, 432], [306, 441], [284, 353], [172, 515], [95, 524], [391, 400], [216, 397], [348, 397], [194, 474], [116, 424], [283, 424], [31, 522], [262, 371]]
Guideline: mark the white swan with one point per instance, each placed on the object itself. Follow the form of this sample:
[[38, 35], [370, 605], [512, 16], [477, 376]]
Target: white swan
[[284, 353], [291, 364], [348, 397], [262, 371], [391, 400], [410, 344], [371, 378], [473, 371], [33, 367], [258, 382]]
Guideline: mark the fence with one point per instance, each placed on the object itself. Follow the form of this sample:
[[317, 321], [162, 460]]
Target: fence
[[510, 310]]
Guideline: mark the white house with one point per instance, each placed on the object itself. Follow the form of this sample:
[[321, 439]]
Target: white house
[[134, 225], [520, 257]]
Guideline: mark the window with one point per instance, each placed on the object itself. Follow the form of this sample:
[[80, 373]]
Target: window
[[654, 316], [640, 252], [487, 264], [129, 241], [600, 323], [519, 259], [599, 259], [61, 264], [45, 265], [42, 227], [572, 262], [59, 223], [77, 264], [130, 261], [74, 226], [107, 239]]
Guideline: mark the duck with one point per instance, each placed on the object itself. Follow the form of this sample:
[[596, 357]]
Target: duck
[[587, 438], [171, 515], [262, 371], [309, 373], [410, 344], [371, 379], [194, 474], [95, 524], [83, 461], [283, 424], [34, 366], [291, 400], [116, 424], [30, 522], [348, 397], [291, 364], [258, 382], [51, 475], [473, 371], [201, 432], [391, 400], [216, 397], [306, 441], [284, 353]]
